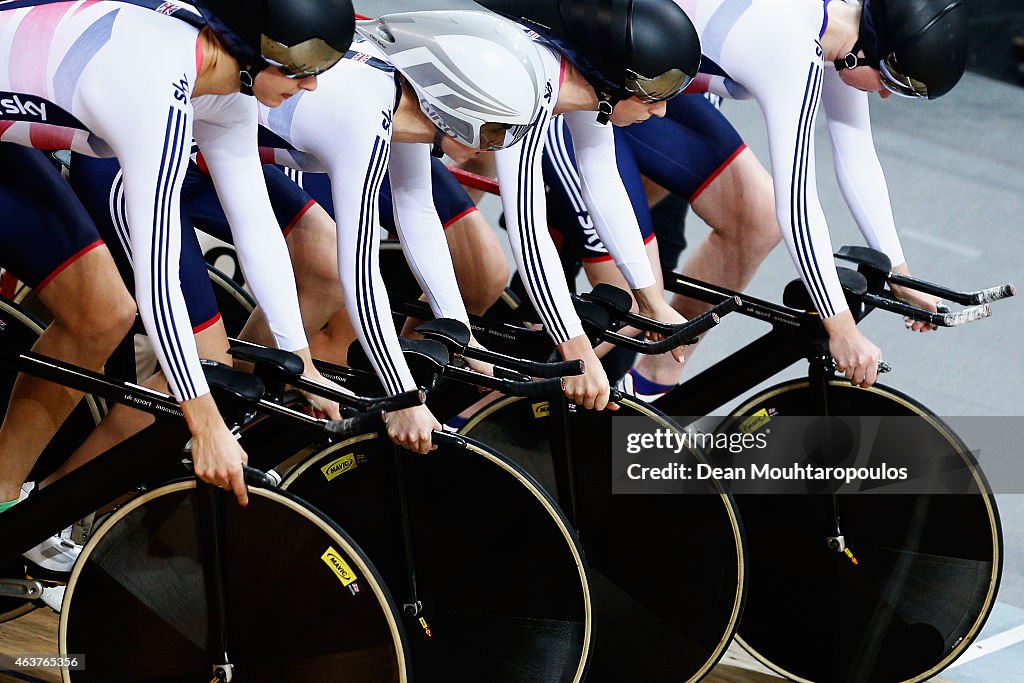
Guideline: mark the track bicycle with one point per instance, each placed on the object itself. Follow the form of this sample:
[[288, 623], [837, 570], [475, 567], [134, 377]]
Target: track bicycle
[[862, 624], [180, 583], [492, 579], [826, 637], [666, 596], [927, 566]]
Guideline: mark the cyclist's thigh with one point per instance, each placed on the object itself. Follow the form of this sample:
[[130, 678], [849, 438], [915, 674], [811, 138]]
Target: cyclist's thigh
[[288, 199], [450, 199], [45, 228], [318, 187], [99, 186], [687, 149]]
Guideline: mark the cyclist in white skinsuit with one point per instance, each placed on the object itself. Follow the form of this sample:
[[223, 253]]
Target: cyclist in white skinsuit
[[354, 140], [84, 83], [661, 45], [782, 55]]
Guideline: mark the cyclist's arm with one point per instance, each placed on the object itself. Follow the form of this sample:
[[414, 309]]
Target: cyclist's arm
[[857, 167], [226, 133], [420, 230], [522, 197], [790, 103], [150, 131], [789, 96], [153, 150], [351, 136], [356, 150], [605, 196]]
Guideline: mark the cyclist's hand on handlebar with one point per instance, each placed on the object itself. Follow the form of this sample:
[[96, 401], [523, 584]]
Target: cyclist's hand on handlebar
[[855, 355], [662, 312], [928, 302], [322, 407], [480, 366], [217, 457], [591, 389], [410, 428]]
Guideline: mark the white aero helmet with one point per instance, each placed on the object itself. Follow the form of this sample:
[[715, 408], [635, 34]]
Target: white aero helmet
[[478, 76]]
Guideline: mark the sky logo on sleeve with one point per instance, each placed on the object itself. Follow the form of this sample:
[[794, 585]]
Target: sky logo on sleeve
[[181, 89]]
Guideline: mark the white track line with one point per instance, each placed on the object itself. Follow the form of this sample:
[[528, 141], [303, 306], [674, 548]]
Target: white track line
[[990, 645]]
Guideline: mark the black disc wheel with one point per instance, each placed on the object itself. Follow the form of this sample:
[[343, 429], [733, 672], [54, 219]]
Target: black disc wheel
[[668, 572], [927, 566], [495, 568], [302, 601]]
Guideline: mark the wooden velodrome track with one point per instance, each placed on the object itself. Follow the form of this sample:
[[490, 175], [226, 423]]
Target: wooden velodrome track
[[36, 633]]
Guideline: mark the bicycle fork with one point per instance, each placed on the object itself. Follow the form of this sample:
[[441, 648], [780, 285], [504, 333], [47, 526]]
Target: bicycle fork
[[413, 607], [212, 543], [820, 374]]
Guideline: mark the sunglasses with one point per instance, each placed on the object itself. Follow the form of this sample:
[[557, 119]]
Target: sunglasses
[[657, 89], [495, 136], [897, 83], [893, 80], [308, 58]]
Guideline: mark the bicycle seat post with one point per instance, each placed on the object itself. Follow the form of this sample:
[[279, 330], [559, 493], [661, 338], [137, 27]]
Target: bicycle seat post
[[820, 371]]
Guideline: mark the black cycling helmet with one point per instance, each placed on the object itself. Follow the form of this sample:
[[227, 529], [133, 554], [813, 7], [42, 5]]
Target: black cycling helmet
[[646, 48], [300, 37], [920, 46]]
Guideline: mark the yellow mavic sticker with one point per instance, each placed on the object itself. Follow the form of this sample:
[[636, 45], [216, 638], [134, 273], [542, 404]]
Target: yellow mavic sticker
[[755, 421], [339, 466], [542, 409], [339, 566]]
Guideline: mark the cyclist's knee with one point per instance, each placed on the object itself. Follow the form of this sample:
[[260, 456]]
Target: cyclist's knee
[[479, 261], [497, 273], [122, 312], [104, 321], [764, 235], [482, 285], [313, 244], [763, 226]]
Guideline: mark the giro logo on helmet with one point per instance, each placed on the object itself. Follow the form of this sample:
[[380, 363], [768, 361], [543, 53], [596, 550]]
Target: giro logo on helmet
[[475, 74]]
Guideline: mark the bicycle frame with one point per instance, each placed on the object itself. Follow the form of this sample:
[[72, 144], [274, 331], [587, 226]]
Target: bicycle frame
[[795, 335]]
